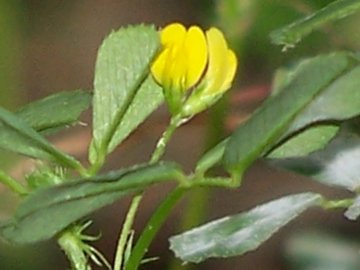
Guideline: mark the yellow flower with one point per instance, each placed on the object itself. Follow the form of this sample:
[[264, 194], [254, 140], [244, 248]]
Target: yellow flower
[[191, 60]]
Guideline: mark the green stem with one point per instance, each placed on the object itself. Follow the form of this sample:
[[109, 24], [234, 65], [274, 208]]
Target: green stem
[[12, 184], [68, 161], [152, 227], [224, 182], [94, 168], [126, 229], [175, 122], [333, 204], [72, 248], [81, 170], [161, 214]]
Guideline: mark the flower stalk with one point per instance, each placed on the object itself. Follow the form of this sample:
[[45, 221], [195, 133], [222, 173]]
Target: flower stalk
[[175, 122], [194, 68]]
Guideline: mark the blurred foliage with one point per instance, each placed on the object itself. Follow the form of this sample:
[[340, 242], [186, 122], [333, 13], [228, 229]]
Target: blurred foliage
[[10, 52], [11, 94], [308, 250], [35, 257], [11, 86]]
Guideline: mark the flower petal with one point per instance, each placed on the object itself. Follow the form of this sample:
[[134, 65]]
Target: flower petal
[[176, 68], [158, 66], [173, 34], [168, 68], [222, 63], [196, 55], [195, 61], [230, 70]]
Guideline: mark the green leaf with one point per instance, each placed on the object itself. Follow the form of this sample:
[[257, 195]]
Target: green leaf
[[294, 32], [339, 101], [122, 68], [236, 235], [283, 76], [20, 138], [146, 100], [306, 142], [272, 119], [336, 165], [48, 211], [55, 111]]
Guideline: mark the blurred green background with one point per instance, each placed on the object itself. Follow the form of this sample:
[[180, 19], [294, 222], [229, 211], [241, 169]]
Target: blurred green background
[[50, 46]]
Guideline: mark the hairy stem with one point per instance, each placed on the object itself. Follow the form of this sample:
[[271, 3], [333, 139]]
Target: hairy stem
[[165, 138], [126, 229], [129, 220], [69, 243]]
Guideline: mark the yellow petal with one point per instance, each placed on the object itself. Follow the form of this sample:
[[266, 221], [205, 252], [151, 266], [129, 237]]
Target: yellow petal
[[158, 66], [231, 66], [196, 56], [176, 68], [222, 63], [172, 34], [166, 69]]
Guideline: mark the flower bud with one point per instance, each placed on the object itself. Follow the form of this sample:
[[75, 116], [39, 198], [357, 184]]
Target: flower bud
[[194, 68]]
